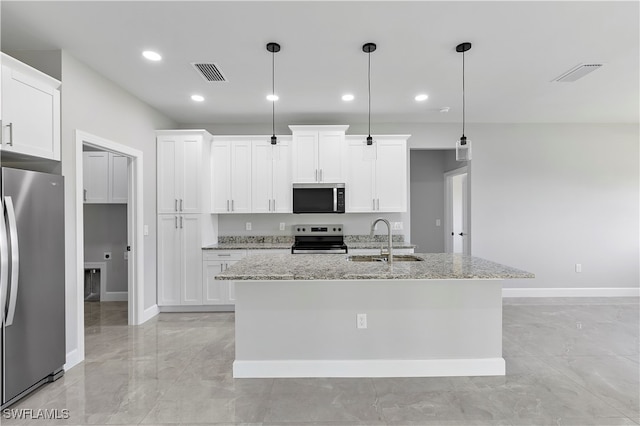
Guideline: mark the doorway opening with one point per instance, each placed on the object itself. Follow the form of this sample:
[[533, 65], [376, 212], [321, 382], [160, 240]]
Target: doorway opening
[[430, 194], [130, 162], [457, 229]]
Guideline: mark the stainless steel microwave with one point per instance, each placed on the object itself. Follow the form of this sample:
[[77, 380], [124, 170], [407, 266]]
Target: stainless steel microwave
[[318, 197]]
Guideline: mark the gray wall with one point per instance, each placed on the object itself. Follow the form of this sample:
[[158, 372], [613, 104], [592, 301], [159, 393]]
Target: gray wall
[[93, 104], [427, 199], [105, 230]]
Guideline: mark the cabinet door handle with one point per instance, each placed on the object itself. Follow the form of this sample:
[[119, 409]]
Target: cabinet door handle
[[316, 178], [221, 267], [10, 126], [373, 200], [181, 204], [181, 222], [176, 222], [175, 208], [224, 255], [227, 205], [232, 208], [274, 204], [85, 195], [320, 175], [269, 205], [378, 202]]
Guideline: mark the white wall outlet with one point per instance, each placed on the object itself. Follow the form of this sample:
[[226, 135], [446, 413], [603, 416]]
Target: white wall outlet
[[126, 255], [282, 226], [397, 226], [578, 267], [361, 320], [107, 255], [247, 226], [437, 222], [145, 229]]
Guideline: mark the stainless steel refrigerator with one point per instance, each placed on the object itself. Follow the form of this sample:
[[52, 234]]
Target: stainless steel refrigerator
[[31, 281]]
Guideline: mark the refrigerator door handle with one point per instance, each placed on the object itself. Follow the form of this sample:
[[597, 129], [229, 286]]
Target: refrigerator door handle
[[15, 259], [4, 267]]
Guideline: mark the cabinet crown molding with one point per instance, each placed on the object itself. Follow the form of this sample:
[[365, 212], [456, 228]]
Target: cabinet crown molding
[[319, 128]]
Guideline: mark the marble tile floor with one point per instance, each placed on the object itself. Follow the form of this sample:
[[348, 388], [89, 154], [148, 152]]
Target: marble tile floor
[[569, 362]]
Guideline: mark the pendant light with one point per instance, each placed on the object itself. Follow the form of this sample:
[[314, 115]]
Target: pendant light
[[368, 48], [463, 146], [273, 48]]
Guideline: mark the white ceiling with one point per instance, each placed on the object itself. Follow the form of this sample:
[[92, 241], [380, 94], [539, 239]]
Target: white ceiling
[[518, 48]]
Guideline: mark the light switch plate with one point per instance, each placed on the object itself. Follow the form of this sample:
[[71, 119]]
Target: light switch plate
[[282, 225], [248, 226]]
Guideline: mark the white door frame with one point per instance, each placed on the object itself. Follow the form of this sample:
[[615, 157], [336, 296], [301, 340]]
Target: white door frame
[[134, 228], [448, 207]]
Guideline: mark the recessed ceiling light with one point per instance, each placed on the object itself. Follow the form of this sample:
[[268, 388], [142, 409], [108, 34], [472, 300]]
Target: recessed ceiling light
[[272, 98], [151, 55], [348, 97], [421, 97], [197, 98]]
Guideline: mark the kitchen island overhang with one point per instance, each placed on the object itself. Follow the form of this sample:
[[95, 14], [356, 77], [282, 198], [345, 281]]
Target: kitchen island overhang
[[296, 317]]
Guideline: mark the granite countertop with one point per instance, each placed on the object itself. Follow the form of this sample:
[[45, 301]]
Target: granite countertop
[[337, 267]]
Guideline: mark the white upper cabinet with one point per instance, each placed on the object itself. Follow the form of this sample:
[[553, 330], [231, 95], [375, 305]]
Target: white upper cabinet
[[30, 111], [377, 174], [119, 178], [105, 177], [95, 176], [231, 175], [182, 171], [318, 154], [271, 176]]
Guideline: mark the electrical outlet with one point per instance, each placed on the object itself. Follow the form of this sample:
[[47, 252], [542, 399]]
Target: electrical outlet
[[145, 229], [361, 320], [437, 222], [248, 226], [578, 267], [282, 226], [126, 255], [107, 255], [396, 226]]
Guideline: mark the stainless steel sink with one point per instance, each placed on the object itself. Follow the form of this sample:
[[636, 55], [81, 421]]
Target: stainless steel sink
[[384, 258]]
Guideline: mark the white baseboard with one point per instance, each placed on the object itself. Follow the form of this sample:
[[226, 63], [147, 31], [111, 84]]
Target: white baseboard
[[198, 308], [572, 292], [369, 368], [115, 296], [149, 313], [73, 358]]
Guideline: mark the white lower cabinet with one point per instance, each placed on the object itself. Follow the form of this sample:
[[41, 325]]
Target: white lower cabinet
[[179, 260], [218, 292]]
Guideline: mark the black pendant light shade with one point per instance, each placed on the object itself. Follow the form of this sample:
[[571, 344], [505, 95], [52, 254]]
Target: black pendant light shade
[[273, 48], [463, 146], [368, 48]]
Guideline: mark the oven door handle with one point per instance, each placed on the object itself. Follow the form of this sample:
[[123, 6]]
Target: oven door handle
[[335, 199]]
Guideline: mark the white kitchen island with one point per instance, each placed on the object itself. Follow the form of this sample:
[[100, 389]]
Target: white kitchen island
[[296, 316]]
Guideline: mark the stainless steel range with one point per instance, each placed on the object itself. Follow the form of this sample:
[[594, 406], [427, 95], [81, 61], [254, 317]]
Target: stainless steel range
[[318, 239]]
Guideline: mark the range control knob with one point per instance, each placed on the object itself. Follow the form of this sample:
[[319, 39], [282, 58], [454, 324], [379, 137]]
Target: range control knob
[[303, 229], [339, 229], [334, 229]]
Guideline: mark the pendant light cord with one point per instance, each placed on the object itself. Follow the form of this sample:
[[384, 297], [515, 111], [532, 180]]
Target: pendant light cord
[[463, 104], [273, 92], [369, 79]]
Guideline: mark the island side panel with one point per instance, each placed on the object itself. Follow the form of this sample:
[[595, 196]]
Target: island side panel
[[414, 328]]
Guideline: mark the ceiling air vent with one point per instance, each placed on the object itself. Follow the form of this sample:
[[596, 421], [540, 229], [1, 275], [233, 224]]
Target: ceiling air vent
[[577, 72], [209, 71]]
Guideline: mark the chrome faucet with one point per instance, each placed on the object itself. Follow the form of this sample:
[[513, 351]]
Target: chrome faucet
[[373, 228]]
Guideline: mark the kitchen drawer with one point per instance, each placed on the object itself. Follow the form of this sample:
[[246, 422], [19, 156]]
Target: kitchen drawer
[[223, 254], [377, 251]]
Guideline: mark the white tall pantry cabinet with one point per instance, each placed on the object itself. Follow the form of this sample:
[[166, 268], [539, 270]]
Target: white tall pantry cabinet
[[185, 222]]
